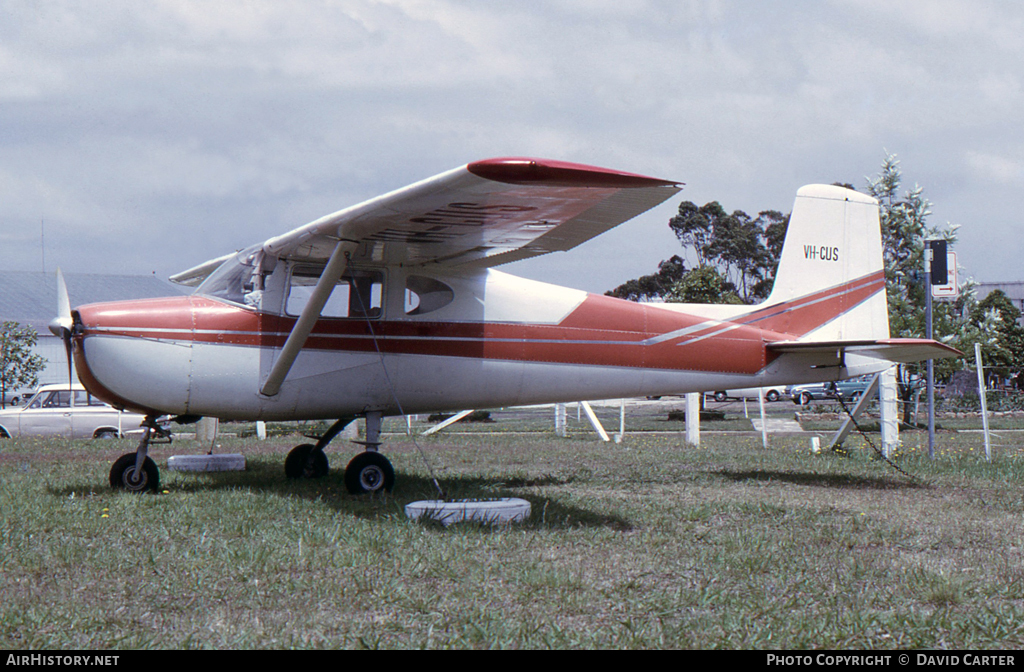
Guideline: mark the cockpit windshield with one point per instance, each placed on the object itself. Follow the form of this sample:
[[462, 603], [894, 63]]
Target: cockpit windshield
[[233, 280]]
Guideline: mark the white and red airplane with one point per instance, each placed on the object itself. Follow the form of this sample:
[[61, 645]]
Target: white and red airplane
[[392, 307]]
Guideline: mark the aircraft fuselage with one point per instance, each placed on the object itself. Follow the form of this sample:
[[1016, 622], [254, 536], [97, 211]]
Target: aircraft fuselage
[[432, 342]]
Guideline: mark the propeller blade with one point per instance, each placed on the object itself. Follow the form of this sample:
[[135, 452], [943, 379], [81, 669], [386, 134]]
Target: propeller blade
[[63, 323]]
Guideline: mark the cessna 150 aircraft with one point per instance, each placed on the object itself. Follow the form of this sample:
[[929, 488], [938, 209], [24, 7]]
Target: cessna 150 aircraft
[[392, 307]]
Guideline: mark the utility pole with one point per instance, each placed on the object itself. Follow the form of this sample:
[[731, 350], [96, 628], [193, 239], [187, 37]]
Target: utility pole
[[935, 273]]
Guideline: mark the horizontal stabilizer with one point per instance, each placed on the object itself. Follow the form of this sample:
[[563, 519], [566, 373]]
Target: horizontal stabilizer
[[898, 350]]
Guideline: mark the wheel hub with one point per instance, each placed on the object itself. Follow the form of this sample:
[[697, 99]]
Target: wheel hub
[[134, 479], [371, 478]]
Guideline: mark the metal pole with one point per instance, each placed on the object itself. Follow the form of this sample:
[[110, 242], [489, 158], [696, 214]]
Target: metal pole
[[450, 421], [984, 405], [594, 422], [928, 335]]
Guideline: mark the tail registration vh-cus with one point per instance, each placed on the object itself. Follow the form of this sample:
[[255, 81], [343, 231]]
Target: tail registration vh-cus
[[393, 307]]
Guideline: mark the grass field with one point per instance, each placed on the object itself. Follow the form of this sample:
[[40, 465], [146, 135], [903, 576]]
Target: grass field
[[648, 543]]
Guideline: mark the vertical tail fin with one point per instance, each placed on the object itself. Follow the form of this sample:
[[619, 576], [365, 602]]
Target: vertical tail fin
[[832, 257]]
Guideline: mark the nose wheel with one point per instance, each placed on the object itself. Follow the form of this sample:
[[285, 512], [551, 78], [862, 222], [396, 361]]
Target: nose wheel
[[124, 475], [137, 472]]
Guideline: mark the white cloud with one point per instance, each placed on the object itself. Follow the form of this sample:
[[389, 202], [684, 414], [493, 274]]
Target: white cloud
[[995, 168]]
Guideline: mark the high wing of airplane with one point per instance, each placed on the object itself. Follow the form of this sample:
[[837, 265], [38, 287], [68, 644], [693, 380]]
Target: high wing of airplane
[[393, 307]]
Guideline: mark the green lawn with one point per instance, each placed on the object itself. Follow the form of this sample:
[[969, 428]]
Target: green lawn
[[644, 544]]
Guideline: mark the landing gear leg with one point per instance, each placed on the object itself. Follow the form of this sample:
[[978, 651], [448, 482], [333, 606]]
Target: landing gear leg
[[309, 460], [137, 472], [370, 472]]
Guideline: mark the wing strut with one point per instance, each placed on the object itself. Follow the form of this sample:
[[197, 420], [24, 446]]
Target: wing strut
[[308, 319]]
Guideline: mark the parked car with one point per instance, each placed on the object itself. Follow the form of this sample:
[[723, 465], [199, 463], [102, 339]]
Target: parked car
[[67, 411], [804, 394], [849, 390], [852, 389], [770, 393], [15, 398]]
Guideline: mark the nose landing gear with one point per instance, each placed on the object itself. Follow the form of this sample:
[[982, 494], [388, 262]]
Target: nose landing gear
[[136, 472], [368, 472]]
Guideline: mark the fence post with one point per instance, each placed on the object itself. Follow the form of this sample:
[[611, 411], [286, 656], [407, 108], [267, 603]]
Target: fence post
[[693, 418], [889, 410]]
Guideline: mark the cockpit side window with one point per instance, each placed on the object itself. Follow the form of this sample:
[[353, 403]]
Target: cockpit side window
[[425, 295], [358, 294]]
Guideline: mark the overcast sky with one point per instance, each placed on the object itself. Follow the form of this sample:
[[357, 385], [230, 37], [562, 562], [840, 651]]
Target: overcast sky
[[152, 136]]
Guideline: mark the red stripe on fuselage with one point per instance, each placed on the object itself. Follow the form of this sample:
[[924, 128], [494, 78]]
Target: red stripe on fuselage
[[601, 331], [802, 315]]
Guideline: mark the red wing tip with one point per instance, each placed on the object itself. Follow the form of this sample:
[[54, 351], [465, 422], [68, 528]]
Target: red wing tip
[[550, 173]]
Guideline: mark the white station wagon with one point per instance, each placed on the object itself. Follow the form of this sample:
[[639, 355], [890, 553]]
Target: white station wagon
[[66, 411]]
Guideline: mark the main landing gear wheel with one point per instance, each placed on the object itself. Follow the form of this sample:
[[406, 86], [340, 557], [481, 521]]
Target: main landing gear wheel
[[306, 461], [123, 476], [369, 472]]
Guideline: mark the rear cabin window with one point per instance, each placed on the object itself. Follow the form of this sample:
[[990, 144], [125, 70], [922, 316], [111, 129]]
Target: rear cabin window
[[358, 294], [425, 295]]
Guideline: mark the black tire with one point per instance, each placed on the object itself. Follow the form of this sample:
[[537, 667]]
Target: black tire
[[306, 462], [773, 395], [368, 473], [855, 397], [122, 475], [805, 398], [721, 396], [106, 434]]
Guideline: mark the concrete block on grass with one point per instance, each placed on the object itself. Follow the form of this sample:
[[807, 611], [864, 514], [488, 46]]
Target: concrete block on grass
[[225, 462]]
